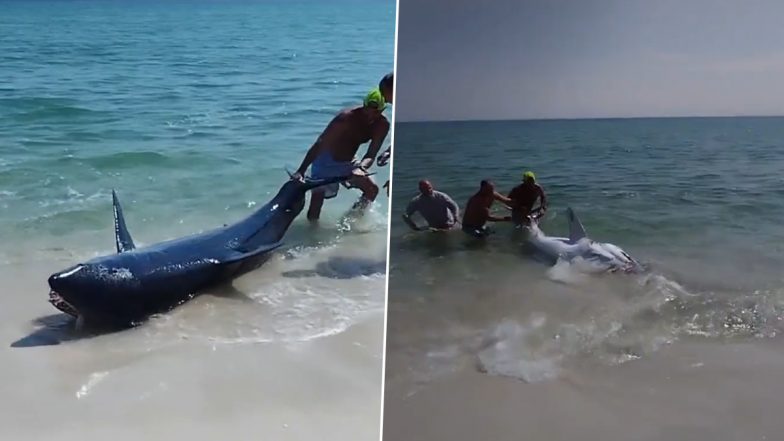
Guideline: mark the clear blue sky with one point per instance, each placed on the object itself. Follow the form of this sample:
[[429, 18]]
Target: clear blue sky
[[520, 59]]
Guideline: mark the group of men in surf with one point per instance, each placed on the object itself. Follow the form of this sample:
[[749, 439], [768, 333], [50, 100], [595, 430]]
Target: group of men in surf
[[442, 213], [334, 152]]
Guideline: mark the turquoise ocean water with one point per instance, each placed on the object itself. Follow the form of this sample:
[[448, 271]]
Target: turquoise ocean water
[[699, 200], [191, 110]]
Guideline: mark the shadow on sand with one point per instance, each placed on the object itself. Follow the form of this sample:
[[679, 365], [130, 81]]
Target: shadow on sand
[[54, 329], [342, 268]]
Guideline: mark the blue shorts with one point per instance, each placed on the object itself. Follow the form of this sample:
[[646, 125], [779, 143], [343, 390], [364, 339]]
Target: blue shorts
[[326, 167]]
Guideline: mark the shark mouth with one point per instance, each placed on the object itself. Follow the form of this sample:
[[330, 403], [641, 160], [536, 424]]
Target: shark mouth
[[59, 302], [629, 268]]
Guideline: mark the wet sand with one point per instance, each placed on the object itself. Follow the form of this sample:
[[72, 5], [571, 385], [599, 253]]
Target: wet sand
[[298, 358], [693, 390]]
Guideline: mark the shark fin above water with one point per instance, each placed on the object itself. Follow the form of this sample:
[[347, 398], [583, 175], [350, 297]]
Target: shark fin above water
[[576, 229], [121, 234]]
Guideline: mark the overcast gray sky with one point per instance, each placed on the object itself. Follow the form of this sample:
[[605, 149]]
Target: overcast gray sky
[[520, 59]]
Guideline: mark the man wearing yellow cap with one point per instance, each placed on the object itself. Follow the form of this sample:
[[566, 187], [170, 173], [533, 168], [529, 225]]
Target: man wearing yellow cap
[[333, 153], [524, 197]]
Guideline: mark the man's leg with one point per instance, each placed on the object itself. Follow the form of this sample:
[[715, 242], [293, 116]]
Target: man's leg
[[477, 232], [316, 202], [369, 191]]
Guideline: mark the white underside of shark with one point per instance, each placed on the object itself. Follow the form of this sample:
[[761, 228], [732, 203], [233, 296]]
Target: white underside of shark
[[578, 248]]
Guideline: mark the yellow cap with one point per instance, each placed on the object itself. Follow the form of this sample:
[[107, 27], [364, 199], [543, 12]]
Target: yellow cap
[[529, 174], [375, 99]]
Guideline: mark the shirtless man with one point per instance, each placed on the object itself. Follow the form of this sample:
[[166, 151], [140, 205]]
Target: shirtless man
[[477, 212], [524, 197], [333, 152]]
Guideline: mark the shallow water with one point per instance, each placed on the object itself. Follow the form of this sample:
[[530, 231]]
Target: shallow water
[[696, 200]]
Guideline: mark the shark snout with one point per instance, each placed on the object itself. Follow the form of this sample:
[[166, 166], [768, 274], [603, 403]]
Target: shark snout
[[65, 286], [65, 280]]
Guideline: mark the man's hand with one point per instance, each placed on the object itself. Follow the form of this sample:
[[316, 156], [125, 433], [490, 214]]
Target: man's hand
[[359, 171], [298, 176], [365, 164], [383, 159]]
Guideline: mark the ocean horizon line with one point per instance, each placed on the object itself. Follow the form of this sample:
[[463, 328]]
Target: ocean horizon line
[[598, 118]]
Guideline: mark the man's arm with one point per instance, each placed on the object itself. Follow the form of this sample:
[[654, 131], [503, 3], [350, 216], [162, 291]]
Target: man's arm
[[315, 149], [542, 200], [310, 156], [383, 159], [453, 207], [379, 134], [411, 209], [501, 198], [492, 218], [410, 223]]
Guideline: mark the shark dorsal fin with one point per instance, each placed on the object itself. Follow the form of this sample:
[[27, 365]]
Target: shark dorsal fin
[[121, 235], [576, 229]]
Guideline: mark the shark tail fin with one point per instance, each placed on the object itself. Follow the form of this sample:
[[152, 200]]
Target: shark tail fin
[[576, 229], [121, 234]]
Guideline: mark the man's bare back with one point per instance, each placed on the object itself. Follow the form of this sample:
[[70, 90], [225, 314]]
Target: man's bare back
[[477, 211], [349, 130]]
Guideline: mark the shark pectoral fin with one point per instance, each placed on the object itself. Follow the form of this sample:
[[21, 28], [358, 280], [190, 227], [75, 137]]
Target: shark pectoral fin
[[289, 172], [239, 254], [121, 234], [576, 229], [228, 291]]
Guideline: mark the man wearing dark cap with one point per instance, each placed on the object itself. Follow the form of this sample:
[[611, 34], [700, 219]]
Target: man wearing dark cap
[[387, 88]]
